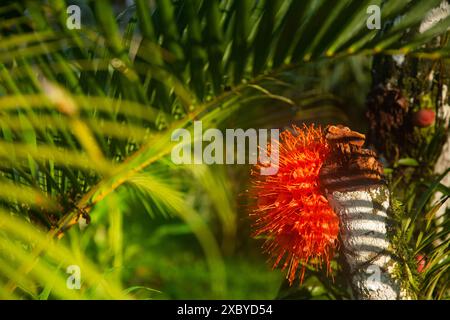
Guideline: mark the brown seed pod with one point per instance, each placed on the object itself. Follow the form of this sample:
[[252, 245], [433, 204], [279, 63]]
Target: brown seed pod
[[424, 118], [390, 124], [349, 165]]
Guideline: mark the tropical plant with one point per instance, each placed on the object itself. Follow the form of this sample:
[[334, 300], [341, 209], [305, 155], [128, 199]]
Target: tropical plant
[[86, 119]]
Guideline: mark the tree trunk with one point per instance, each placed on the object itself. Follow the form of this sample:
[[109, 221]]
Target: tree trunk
[[352, 180], [408, 114]]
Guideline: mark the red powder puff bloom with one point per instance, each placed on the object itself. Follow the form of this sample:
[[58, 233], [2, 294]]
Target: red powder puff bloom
[[291, 213]]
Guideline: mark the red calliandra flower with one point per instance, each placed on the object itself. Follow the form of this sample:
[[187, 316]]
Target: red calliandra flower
[[299, 225]]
